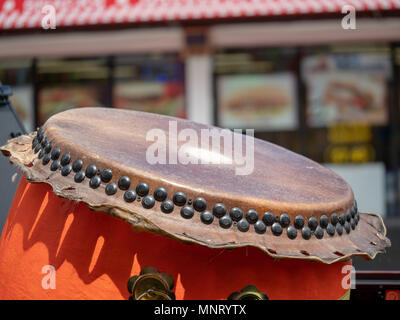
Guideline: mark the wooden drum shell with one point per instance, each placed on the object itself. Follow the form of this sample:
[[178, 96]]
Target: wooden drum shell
[[94, 255]]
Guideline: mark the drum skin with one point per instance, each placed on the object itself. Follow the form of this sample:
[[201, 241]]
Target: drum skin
[[94, 254]]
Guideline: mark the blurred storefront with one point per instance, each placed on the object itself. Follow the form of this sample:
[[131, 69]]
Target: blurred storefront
[[288, 69]]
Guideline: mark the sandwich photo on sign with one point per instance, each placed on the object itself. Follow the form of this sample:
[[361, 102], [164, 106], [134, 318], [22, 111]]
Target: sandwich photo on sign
[[261, 101]]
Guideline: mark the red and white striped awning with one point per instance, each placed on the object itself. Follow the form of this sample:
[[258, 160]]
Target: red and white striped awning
[[23, 14]]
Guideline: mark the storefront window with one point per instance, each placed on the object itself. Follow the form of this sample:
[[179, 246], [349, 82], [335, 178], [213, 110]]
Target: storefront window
[[258, 89], [18, 75], [347, 113], [346, 88], [331, 104], [71, 83], [347, 103], [150, 83]]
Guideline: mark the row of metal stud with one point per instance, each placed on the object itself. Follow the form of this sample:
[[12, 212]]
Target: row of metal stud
[[335, 224]]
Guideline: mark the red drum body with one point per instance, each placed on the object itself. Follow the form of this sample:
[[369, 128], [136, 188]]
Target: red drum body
[[54, 248]]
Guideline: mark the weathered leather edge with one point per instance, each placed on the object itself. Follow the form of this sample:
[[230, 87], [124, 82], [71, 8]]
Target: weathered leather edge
[[17, 149]]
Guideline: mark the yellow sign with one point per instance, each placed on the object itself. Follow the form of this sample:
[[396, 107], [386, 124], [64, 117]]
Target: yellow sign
[[349, 143], [349, 133]]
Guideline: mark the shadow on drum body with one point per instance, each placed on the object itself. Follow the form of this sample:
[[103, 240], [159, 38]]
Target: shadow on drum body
[[94, 254]]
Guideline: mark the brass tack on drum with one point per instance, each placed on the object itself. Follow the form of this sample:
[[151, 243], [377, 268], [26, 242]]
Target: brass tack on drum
[[306, 233], [41, 154], [323, 221], [124, 183], [334, 218], [77, 165], [319, 232], [260, 227], [48, 147], [291, 232], [46, 159], [79, 176], [66, 170], [111, 189], [342, 218], [179, 198], [65, 159], [44, 142], [55, 165], [347, 227], [148, 202], [130, 196], [353, 223], [142, 189], [38, 147], [95, 182], [55, 154], [284, 220], [106, 175], [206, 217], [268, 218], [160, 194], [276, 229], [91, 171], [40, 134], [187, 212], [243, 225], [299, 222], [339, 229], [348, 215], [225, 222], [236, 214], [34, 142], [312, 223], [200, 204], [219, 210], [167, 206], [330, 229], [252, 216]]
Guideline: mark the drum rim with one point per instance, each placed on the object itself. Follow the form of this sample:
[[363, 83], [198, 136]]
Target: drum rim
[[366, 238]]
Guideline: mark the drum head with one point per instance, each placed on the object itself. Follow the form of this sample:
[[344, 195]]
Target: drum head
[[199, 184]]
